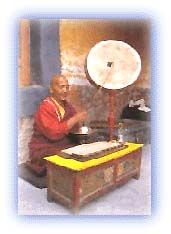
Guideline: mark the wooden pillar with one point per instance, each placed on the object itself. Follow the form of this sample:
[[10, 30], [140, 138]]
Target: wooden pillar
[[24, 53], [111, 114], [76, 193]]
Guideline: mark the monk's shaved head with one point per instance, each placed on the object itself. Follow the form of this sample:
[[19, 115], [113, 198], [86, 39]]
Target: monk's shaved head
[[59, 87], [56, 79]]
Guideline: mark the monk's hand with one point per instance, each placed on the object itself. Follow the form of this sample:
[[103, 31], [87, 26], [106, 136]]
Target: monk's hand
[[76, 119], [81, 116]]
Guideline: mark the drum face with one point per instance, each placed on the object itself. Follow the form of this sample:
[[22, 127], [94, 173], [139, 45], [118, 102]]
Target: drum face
[[113, 64]]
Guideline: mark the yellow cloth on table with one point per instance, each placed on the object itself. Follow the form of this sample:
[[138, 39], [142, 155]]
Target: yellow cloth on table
[[78, 166]]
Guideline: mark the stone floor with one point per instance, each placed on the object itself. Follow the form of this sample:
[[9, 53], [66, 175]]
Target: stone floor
[[133, 198]]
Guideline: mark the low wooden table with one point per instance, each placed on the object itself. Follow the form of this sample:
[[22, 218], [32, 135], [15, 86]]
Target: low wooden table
[[74, 183]]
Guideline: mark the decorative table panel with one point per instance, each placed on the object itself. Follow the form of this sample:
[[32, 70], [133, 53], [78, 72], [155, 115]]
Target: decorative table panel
[[74, 183]]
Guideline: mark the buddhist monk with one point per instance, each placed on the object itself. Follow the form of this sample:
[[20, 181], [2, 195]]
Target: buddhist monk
[[53, 121]]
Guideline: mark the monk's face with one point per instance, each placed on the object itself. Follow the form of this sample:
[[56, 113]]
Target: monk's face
[[59, 88]]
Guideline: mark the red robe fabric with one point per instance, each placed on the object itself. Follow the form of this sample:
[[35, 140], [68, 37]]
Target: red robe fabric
[[50, 130]]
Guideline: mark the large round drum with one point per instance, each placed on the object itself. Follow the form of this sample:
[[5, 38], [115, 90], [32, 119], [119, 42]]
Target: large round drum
[[113, 64]]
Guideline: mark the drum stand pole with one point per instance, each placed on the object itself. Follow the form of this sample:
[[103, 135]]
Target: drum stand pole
[[111, 113]]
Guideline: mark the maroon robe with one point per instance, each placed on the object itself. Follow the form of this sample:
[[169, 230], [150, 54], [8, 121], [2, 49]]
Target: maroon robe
[[50, 133]]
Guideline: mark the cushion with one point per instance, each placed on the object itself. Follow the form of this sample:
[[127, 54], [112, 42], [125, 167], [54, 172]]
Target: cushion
[[26, 174]]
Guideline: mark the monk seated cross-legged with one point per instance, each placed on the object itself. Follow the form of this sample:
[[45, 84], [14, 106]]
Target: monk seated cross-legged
[[53, 121]]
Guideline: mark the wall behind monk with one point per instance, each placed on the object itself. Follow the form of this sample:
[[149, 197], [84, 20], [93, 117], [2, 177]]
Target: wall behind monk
[[62, 46], [77, 37], [44, 61]]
